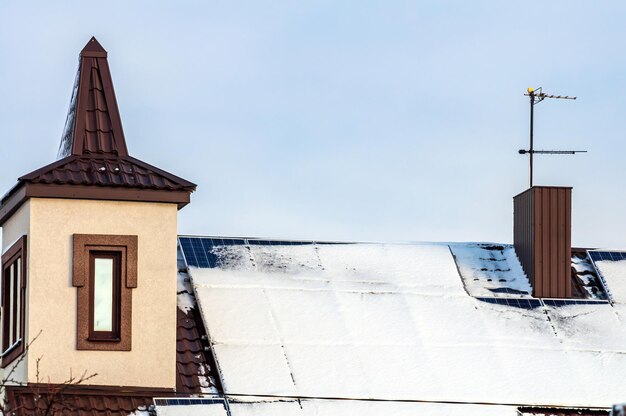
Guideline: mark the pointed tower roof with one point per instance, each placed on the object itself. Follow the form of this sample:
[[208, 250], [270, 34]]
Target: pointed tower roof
[[93, 49], [93, 160], [93, 122]]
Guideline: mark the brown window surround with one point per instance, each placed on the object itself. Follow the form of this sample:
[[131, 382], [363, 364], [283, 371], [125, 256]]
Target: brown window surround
[[13, 301], [122, 250]]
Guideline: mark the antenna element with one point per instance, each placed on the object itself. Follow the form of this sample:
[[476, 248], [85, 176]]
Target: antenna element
[[537, 96]]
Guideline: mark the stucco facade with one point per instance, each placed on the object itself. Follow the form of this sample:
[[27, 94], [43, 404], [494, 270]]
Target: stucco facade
[[52, 308]]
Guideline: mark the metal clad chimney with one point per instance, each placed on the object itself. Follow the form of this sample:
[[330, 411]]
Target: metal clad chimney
[[542, 238]]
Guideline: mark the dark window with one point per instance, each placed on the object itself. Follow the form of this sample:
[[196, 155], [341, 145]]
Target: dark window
[[104, 295], [13, 301]]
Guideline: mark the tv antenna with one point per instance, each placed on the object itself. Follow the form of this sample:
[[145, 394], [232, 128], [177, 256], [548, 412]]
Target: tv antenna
[[537, 96]]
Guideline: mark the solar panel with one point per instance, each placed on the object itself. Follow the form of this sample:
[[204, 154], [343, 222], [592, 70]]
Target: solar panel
[[200, 251], [597, 255], [514, 302], [508, 290], [186, 401], [524, 303], [566, 302]]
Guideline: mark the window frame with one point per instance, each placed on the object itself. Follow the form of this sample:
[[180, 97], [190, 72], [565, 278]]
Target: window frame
[[125, 248], [10, 352], [114, 334]]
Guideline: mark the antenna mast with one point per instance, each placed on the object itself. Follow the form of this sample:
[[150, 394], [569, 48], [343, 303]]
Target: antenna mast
[[537, 96]]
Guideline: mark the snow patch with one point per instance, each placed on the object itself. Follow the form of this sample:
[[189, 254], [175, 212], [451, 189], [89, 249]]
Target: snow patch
[[207, 385], [185, 299], [140, 412], [192, 410], [491, 270], [614, 274]]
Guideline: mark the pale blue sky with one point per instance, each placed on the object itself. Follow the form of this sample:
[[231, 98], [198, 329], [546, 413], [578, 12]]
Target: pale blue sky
[[386, 121]]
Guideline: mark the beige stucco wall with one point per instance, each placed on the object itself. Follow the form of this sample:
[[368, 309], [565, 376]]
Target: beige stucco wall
[[52, 306], [17, 226]]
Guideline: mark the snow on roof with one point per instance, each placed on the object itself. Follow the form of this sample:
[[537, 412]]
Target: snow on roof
[[334, 408], [587, 276], [614, 274], [491, 270], [395, 322]]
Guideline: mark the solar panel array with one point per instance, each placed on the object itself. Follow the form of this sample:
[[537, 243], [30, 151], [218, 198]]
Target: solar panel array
[[565, 302], [186, 401], [537, 303], [514, 302], [607, 255], [199, 251]]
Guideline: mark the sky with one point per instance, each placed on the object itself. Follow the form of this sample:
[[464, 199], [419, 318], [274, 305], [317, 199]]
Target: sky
[[326, 120]]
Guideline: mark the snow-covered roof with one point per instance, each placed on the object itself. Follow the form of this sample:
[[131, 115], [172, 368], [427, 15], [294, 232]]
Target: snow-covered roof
[[331, 408], [399, 322]]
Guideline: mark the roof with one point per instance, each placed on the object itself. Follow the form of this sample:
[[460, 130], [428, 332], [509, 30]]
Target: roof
[[216, 407], [125, 172], [326, 408], [396, 323], [93, 123], [195, 369], [77, 400], [192, 368], [93, 158]]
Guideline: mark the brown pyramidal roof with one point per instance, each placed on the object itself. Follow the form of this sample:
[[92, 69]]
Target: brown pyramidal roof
[[93, 160]]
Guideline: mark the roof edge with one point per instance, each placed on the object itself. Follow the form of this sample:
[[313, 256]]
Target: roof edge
[[32, 175], [27, 190], [185, 183], [12, 202], [542, 187]]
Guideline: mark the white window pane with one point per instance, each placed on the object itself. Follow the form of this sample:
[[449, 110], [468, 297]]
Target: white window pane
[[103, 295], [18, 299], [11, 302]]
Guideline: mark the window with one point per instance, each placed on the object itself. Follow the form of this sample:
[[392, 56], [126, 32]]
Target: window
[[104, 272], [13, 301], [104, 296]]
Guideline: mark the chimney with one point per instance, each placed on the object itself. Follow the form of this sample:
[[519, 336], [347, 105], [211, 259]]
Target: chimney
[[542, 238]]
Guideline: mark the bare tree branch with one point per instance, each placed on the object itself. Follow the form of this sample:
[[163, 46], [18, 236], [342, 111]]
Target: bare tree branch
[[50, 399], [8, 379]]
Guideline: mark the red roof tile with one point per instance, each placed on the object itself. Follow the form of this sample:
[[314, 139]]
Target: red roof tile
[[107, 171], [194, 371], [77, 400]]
